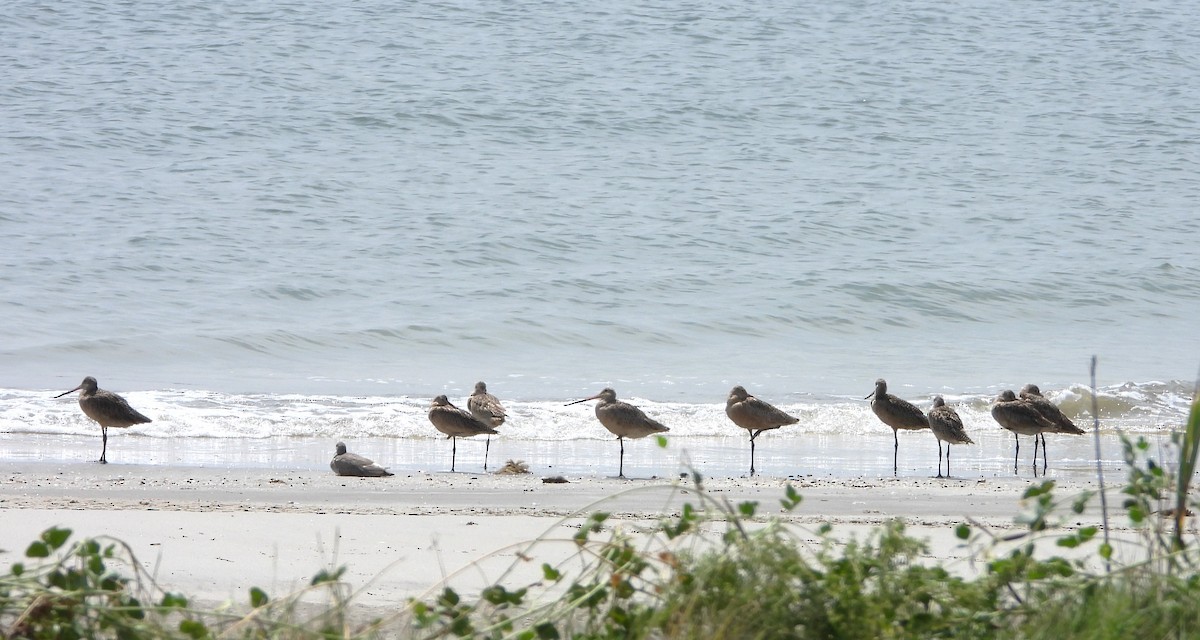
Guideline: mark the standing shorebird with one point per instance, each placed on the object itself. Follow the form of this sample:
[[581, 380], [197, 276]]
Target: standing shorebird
[[487, 409], [106, 408], [948, 428], [1022, 418], [623, 420], [352, 464], [1050, 411], [455, 423], [897, 414], [754, 415]]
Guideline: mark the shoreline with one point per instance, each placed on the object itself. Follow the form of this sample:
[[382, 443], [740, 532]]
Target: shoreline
[[214, 533]]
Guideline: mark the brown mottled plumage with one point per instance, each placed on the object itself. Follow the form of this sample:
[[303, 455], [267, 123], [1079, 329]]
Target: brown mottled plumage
[[1033, 395], [947, 427], [897, 414], [622, 420], [1022, 419], [487, 409], [754, 415], [106, 408], [456, 423]]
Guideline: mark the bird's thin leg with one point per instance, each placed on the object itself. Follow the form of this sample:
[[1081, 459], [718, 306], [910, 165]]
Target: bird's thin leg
[[487, 447], [104, 448], [940, 459], [753, 435], [453, 452], [621, 469], [947, 458], [1035, 447], [895, 452], [1016, 439], [1044, 459]]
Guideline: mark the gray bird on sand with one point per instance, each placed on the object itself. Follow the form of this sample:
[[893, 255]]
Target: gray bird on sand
[[352, 464], [106, 408]]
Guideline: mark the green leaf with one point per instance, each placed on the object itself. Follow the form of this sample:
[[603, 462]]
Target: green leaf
[[550, 573], [55, 537], [325, 575], [546, 631], [258, 597], [37, 549], [18, 569], [173, 600], [1106, 551], [662, 441], [791, 498], [193, 628], [449, 597], [1039, 490], [747, 509], [963, 531]]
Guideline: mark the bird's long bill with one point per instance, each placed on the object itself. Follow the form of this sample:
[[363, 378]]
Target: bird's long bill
[[567, 404], [71, 391], [869, 396]]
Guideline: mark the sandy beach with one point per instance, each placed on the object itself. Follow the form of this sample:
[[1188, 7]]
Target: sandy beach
[[213, 532]]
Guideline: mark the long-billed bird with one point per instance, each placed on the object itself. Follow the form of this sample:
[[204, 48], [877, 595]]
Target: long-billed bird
[[897, 414], [1062, 424], [622, 420], [947, 427], [455, 423], [1021, 418], [106, 408], [487, 409], [754, 415]]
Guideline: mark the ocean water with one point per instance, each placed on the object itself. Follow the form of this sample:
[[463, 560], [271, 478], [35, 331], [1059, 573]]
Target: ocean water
[[289, 219]]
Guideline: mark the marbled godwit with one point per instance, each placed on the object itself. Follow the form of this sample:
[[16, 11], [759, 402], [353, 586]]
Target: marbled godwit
[[948, 428], [106, 408], [1033, 395], [623, 420], [897, 414], [455, 423], [1022, 419], [487, 409], [754, 415], [352, 464]]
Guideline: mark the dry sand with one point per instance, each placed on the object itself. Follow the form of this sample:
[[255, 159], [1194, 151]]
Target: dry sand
[[212, 533]]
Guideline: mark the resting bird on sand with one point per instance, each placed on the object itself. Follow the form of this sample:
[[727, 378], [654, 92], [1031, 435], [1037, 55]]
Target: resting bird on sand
[[897, 414], [106, 408], [487, 409], [948, 428], [455, 423], [754, 415], [622, 420], [352, 464], [1033, 395]]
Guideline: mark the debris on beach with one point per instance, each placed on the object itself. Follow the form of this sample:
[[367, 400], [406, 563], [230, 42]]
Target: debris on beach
[[513, 468], [555, 480]]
